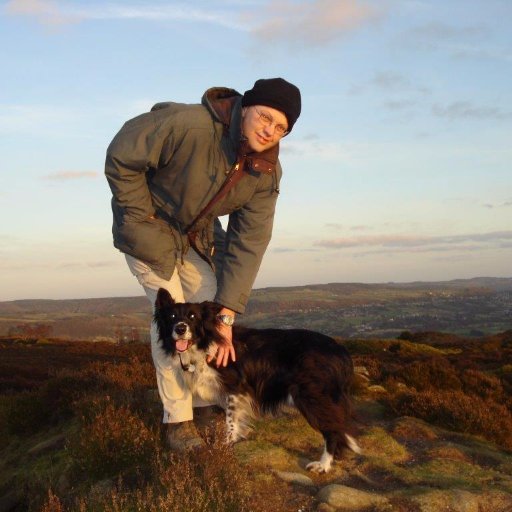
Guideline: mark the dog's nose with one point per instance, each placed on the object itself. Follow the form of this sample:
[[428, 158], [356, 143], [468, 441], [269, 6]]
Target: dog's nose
[[180, 329]]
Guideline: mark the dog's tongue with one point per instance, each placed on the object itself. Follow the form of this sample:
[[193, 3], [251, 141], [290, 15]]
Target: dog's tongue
[[181, 345]]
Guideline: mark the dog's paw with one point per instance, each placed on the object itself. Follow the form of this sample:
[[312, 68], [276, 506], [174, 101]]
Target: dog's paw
[[318, 466], [232, 438]]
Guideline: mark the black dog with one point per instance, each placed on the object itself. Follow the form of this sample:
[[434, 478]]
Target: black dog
[[273, 367]]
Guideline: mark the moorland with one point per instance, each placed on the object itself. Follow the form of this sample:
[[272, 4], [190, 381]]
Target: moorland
[[80, 415], [80, 424]]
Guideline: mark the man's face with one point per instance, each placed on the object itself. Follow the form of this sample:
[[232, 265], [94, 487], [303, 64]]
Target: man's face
[[263, 127]]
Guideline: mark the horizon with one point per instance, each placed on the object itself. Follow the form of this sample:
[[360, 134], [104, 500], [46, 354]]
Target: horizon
[[398, 169], [398, 283]]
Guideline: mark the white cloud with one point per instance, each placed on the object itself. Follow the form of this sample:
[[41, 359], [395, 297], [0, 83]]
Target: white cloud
[[70, 175], [436, 31], [48, 12], [393, 83], [466, 110], [316, 22], [413, 242], [467, 42]]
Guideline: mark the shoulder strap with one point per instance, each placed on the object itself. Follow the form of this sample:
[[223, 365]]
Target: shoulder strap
[[234, 176]]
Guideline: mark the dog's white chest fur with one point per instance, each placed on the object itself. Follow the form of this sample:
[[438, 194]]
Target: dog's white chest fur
[[202, 380]]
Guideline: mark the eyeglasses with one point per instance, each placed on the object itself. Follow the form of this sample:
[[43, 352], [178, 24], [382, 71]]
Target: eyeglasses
[[267, 120]]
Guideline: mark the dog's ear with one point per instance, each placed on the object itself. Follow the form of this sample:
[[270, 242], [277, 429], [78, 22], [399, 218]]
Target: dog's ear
[[209, 312], [163, 298]]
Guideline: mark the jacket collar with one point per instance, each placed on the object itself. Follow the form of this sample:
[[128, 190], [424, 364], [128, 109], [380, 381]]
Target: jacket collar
[[225, 106]]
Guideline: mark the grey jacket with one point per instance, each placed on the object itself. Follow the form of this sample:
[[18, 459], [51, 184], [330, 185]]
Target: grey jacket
[[169, 163]]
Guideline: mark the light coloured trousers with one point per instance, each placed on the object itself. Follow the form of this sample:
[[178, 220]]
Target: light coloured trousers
[[193, 280]]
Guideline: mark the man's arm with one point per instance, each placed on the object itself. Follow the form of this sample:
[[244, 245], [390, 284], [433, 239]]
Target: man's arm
[[248, 234], [134, 150]]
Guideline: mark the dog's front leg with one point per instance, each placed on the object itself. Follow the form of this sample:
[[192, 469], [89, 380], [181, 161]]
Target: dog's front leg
[[238, 417], [232, 420]]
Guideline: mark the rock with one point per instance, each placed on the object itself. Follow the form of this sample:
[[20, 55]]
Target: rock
[[362, 374], [53, 443], [295, 478], [377, 389], [348, 498], [323, 507], [362, 371]]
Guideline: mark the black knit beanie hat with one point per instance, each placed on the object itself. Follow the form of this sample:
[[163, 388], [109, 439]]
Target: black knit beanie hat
[[276, 93]]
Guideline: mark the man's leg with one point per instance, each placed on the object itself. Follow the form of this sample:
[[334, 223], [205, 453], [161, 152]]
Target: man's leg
[[197, 278], [199, 283], [175, 396]]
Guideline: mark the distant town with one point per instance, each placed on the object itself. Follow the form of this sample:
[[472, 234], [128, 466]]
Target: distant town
[[467, 315]]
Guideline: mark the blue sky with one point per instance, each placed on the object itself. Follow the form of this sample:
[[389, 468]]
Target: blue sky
[[399, 168]]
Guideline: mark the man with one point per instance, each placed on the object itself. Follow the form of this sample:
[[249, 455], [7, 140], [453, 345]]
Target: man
[[173, 171]]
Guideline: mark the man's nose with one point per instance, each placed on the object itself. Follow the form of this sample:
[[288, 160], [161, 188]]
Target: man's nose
[[270, 130]]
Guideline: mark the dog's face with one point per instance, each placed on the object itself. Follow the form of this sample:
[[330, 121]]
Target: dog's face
[[182, 325], [179, 325]]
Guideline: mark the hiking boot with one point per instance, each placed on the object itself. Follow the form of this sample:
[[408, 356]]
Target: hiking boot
[[182, 437], [208, 420]]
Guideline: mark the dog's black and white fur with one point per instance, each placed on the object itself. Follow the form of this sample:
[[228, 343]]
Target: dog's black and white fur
[[273, 367]]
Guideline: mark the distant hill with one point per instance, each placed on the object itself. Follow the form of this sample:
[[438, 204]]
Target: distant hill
[[107, 305], [481, 305]]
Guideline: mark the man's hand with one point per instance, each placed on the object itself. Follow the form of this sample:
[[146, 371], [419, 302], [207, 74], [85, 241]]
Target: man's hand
[[225, 348]]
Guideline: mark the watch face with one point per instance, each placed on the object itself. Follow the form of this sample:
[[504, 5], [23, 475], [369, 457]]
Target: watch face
[[227, 319]]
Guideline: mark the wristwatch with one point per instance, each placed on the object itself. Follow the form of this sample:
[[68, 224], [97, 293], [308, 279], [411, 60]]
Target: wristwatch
[[226, 319]]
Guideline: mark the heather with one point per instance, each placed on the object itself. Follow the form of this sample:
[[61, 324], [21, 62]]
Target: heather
[[82, 427]]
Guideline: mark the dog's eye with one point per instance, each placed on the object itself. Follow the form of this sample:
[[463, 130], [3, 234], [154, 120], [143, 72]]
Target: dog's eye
[[191, 316], [173, 316]]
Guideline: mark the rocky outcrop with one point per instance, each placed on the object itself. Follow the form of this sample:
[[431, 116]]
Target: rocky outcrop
[[348, 498]]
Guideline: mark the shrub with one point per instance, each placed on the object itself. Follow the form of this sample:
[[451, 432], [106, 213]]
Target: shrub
[[475, 382], [365, 346], [112, 439], [24, 413], [52, 504], [134, 374], [434, 372], [457, 411], [210, 481]]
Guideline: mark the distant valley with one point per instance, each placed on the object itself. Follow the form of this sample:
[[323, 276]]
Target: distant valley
[[470, 307]]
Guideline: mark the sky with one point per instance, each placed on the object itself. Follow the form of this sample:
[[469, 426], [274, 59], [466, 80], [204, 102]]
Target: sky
[[399, 168]]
